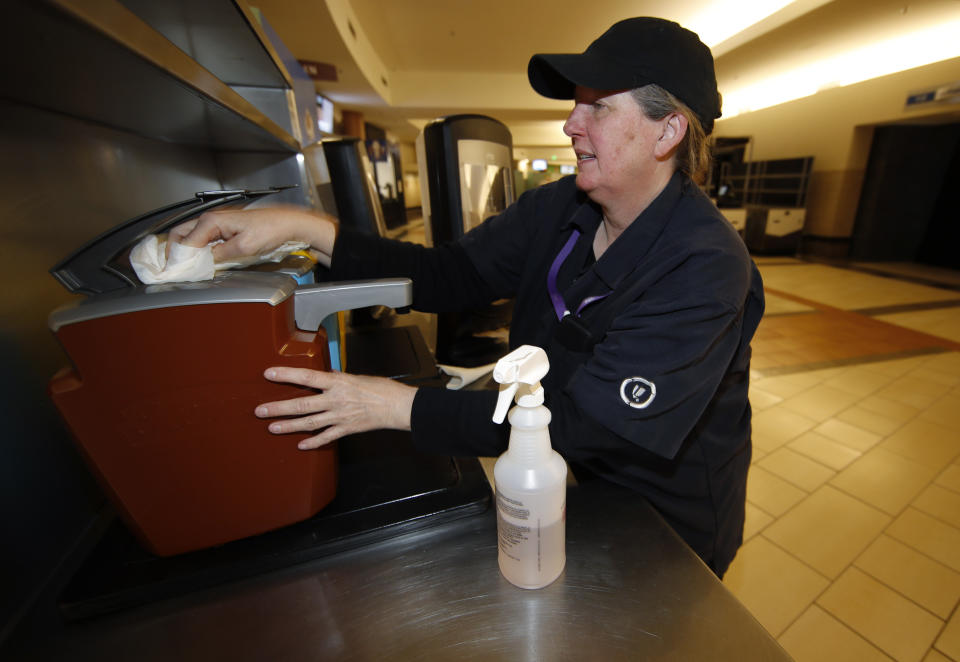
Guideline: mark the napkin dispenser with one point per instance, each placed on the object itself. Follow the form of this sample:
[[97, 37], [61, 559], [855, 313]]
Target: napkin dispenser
[[164, 381]]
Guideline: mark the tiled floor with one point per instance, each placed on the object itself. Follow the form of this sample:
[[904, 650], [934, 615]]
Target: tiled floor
[[852, 543]]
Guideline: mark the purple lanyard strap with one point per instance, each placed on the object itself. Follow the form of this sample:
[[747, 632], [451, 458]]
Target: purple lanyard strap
[[559, 305]]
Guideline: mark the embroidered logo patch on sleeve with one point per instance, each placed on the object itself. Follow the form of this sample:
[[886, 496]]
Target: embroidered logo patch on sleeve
[[637, 392]]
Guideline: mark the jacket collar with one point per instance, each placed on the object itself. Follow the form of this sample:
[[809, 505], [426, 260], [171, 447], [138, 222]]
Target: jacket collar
[[632, 245]]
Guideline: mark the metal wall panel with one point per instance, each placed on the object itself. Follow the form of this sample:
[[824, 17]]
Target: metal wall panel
[[62, 182]]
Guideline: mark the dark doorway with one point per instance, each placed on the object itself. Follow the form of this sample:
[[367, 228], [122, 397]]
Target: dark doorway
[[942, 240], [910, 203]]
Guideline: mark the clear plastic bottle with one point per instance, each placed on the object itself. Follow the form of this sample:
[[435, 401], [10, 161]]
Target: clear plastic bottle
[[530, 477]]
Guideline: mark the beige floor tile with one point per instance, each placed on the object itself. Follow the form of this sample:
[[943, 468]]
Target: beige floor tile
[[770, 493], [941, 503], [787, 386], [774, 305], [760, 399], [889, 408], [928, 535], [934, 656], [849, 435], [943, 275], [843, 288], [948, 378], [870, 420], [898, 367], [949, 641], [951, 359], [946, 361], [948, 277], [882, 616], [797, 469], [928, 583], [860, 381], [773, 585], [943, 367], [779, 345], [820, 403], [817, 636], [922, 380], [825, 451], [827, 530], [945, 411], [824, 374], [755, 522], [884, 480], [914, 391], [776, 426], [941, 322], [931, 444], [950, 478]]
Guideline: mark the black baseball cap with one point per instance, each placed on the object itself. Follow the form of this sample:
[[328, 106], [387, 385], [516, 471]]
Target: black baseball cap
[[633, 53]]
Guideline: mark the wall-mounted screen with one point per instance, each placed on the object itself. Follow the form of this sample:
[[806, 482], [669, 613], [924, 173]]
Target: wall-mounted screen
[[324, 114], [486, 180], [539, 164]]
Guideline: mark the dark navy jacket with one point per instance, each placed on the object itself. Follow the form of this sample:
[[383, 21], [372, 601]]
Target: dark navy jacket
[[648, 386]]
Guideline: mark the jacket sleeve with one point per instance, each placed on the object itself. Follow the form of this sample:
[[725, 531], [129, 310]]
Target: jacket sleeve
[[457, 423], [483, 266], [444, 279]]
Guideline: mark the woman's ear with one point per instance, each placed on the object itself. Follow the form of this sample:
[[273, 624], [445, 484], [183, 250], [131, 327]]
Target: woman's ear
[[674, 129]]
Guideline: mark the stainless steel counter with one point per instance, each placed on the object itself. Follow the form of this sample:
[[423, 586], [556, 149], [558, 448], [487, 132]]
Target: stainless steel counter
[[631, 590]]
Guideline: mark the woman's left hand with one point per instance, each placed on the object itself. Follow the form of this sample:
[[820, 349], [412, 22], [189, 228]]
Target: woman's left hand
[[344, 404]]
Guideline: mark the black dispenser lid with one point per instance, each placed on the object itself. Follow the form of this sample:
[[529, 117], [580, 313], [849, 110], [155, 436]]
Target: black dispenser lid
[[103, 264]]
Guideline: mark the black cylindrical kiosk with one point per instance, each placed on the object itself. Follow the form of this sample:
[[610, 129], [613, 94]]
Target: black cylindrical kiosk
[[466, 175], [355, 194]]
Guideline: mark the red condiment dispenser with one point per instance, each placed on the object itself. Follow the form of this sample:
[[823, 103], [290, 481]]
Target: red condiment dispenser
[[162, 388]]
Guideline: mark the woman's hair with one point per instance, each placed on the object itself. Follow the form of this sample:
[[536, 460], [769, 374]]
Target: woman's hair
[[692, 154]]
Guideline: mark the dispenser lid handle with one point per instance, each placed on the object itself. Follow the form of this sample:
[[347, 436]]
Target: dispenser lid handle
[[313, 303]]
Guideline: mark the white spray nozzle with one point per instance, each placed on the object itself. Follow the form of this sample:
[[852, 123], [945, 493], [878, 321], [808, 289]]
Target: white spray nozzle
[[519, 374]]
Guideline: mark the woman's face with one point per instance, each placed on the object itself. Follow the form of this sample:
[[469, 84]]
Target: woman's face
[[614, 142]]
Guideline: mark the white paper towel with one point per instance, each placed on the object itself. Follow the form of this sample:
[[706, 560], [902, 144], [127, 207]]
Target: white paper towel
[[461, 377], [188, 264]]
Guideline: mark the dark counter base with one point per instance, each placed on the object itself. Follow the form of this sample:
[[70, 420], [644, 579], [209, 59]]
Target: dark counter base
[[386, 489]]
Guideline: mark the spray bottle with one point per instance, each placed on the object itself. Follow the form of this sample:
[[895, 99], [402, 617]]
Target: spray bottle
[[530, 478]]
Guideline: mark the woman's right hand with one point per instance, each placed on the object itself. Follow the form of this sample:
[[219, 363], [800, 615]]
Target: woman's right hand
[[255, 231]]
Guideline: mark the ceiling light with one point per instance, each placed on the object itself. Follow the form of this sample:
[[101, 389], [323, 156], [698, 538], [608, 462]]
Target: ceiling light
[[721, 20], [882, 58]]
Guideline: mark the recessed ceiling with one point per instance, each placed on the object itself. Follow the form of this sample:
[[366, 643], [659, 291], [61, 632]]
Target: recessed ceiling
[[404, 62]]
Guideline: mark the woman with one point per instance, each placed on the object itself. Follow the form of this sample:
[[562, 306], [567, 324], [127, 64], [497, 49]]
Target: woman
[[643, 296]]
